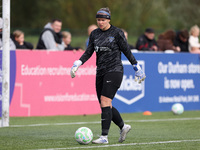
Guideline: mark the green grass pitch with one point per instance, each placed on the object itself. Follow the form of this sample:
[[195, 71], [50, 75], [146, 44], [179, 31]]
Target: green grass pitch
[[160, 131]]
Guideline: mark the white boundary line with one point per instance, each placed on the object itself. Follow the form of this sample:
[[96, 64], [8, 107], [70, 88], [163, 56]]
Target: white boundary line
[[128, 144], [98, 122]]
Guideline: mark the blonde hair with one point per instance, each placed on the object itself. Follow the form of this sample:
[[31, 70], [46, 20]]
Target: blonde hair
[[193, 29], [91, 28], [65, 34], [17, 33], [125, 33]]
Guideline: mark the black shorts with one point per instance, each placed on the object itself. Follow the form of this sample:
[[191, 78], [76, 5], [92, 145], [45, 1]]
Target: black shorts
[[108, 84]]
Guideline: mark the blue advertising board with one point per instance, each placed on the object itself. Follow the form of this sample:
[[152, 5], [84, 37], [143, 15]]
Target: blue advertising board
[[171, 78]]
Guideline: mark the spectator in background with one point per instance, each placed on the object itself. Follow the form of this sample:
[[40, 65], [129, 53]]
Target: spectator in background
[[126, 36], [12, 45], [51, 38], [181, 40], [147, 42], [165, 41], [90, 29], [66, 37], [194, 44], [18, 38]]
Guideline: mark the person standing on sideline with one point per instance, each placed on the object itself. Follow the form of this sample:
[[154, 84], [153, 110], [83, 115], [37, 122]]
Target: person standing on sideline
[[181, 40], [147, 42], [67, 38], [194, 45], [18, 39], [165, 41], [90, 29], [126, 36], [51, 37], [108, 42]]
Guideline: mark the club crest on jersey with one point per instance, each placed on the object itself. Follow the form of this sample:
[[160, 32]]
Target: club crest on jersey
[[110, 39], [96, 48]]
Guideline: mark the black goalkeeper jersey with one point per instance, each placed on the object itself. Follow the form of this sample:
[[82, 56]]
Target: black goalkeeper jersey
[[108, 46]]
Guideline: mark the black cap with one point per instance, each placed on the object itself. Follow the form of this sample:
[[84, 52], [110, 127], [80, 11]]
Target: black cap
[[149, 30]]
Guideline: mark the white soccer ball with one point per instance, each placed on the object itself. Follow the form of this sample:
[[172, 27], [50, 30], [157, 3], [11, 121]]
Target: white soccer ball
[[177, 108], [83, 135]]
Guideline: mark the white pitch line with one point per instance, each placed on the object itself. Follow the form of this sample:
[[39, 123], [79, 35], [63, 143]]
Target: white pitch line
[[120, 145], [55, 124], [171, 119], [97, 122]]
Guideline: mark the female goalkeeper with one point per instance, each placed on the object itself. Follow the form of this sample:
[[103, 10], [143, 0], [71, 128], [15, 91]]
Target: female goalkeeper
[[108, 42]]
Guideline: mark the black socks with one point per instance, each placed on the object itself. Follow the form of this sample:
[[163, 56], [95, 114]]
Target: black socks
[[106, 117], [109, 115], [116, 118]]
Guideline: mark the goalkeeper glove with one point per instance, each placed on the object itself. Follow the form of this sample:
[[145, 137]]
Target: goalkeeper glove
[[139, 74], [75, 67]]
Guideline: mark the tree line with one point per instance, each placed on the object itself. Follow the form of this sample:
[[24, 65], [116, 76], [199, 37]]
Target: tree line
[[132, 15]]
